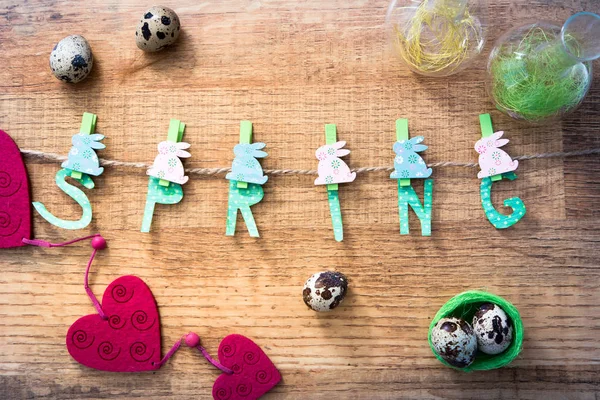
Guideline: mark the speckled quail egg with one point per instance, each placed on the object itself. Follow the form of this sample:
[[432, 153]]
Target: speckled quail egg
[[325, 290], [455, 341], [158, 28], [71, 59], [493, 329]]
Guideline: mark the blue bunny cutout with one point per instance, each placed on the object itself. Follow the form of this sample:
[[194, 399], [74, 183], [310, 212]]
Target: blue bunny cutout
[[407, 163], [82, 157], [245, 167]]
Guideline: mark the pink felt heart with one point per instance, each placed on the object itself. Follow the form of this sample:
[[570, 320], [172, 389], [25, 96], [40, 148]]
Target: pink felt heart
[[129, 339], [253, 372], [15, 205]]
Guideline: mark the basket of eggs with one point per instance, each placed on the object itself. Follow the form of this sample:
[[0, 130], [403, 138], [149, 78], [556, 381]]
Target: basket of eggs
[[476, 331]]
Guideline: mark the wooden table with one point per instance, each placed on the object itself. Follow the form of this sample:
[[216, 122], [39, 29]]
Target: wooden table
[[291, 67]]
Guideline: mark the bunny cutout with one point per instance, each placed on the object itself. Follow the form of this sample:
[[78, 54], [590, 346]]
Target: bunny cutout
[[246, 167], [331, 168], [407, 163], [492, 160], [167, 164], [82, 157]]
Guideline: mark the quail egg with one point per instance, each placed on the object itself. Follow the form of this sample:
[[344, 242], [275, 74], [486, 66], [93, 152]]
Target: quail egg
[[158, 28], [493, 329], [455, 341], [71, 60], [324, 291]]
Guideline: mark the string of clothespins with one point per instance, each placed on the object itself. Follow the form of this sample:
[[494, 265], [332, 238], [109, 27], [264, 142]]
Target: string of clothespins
[[53, 157], [167, 174]]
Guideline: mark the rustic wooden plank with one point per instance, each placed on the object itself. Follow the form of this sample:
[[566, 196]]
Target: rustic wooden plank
[[291, 67]]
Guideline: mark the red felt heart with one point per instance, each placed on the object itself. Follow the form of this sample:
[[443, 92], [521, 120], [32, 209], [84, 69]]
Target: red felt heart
[[129, 339], [15, 205], [253, 372]]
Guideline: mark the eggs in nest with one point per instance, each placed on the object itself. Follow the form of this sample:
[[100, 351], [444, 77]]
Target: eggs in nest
[[458, 342]]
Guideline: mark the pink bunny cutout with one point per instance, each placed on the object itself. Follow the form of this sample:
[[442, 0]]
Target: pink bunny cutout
[[492, 160], [167, 164], [331, 168]]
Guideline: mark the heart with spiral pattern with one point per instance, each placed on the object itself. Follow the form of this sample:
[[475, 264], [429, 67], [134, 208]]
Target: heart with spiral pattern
[[253, 372], [128, 340], [15, 204]]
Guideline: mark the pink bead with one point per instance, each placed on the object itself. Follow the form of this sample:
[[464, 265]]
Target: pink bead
[[192, 340], [98, 243]]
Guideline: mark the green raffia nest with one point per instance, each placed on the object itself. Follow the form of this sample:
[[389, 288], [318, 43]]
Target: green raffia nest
[[541, 87], [464, 306]]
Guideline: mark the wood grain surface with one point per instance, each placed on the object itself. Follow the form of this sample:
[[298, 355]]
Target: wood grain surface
[[291, 67]]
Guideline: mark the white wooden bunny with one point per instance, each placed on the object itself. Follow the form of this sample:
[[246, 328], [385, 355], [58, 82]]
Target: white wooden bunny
[[167, 164], [331, 168], [492, 160]]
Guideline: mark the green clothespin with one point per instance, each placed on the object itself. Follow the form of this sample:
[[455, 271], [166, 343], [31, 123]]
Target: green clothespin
[[485, 120], [402, 134], [88, 126], [332, 191], [161, 191], [498, 220], [176, 129], [245, 138], [331, 138], [410, 165]]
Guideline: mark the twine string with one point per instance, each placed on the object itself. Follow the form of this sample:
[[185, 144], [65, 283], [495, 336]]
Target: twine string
[[39, 155]]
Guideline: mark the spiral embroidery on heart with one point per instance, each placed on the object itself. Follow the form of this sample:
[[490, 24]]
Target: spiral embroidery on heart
[[115, 322], [4, 219], [243, 389], [263, 376], [229, 350], [106, 351], [139, 320], [138, 351], [5, 223], [236, 368], [120, 295], [80, 340], [251, 358], [223, 393], [5, 181]]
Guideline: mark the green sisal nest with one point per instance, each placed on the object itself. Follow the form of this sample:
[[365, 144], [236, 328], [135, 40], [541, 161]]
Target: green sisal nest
[[464, 306]]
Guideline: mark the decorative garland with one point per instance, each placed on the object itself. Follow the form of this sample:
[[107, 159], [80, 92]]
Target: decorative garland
[[246, 176], [53, 157]]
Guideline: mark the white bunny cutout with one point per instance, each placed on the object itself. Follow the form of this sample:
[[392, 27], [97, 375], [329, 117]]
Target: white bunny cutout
[[331, 168], [492, 160], [167, 164]]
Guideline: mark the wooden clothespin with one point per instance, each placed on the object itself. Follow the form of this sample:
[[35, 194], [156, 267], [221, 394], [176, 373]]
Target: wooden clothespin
[[485, 120], [402, 134], [175, 134], [88, 126], [333, 170], [408, 164], [245, 138], [331, 138]]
